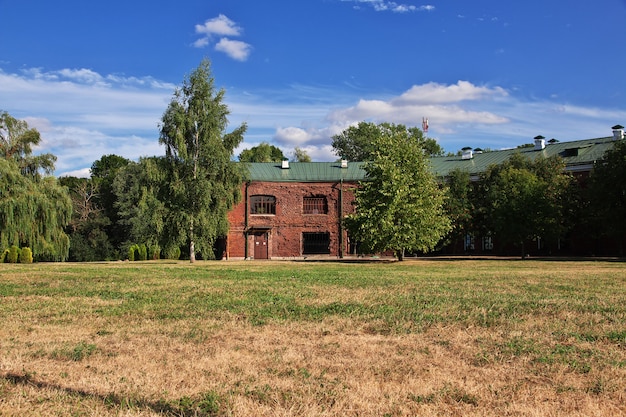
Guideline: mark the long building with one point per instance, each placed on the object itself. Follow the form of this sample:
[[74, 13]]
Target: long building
[[294, 210]]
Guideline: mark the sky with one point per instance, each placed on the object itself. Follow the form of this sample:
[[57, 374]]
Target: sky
[[96, 77]]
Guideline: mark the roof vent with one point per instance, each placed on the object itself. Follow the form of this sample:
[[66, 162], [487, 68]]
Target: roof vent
[[285, 164], [540, 143], [467, 154], [618, 132], [344, 163]]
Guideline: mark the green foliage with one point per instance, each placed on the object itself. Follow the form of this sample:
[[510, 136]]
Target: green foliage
[[142, 252], [3, 256], [13, 255], [154, 252], [203, 183], [459, 204], [172, 252], [264, 152], [357, 143], [523, 199], [300, 155], [89, 227], [26, 255], [16, 144], [400, 205], [141, 191], [607, 194], [103, 174], [133, 252], [34, 209]]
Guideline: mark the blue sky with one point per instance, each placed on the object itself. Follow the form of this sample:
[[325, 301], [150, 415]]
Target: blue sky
[[95, 77]]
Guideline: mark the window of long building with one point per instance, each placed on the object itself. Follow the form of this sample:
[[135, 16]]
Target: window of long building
[[315, 243], [315, 205], [262, 204]]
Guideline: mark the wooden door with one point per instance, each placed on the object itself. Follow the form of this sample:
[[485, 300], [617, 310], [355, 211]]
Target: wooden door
[[260, 246]]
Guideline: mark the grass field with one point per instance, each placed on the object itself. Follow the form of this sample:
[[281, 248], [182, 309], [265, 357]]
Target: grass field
[[412, 338]]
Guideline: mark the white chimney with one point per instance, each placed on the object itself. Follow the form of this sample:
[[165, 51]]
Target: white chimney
[[618, 132], [467, 154], [344, 163], [285, 164], [540, 143]]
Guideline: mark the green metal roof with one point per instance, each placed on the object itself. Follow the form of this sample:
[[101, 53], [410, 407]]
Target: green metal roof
[[306, 172], [576, 154]]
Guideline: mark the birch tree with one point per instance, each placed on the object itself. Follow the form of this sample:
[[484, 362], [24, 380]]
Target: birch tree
[[204, 182]]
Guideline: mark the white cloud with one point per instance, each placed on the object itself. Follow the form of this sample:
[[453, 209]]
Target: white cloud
[[221, 26], [438, 93], [224, 28], [83, 115], [235, 49], [392, 6]]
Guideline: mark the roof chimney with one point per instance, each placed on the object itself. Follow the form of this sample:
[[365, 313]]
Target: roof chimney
[[540, 143], [344, 163], [468, 153], [618, 132], [285, 164]]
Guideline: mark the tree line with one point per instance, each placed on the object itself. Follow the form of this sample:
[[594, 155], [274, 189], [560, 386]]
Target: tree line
[[176, 205]]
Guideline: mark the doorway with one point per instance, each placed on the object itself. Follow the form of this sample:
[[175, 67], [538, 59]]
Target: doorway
[[260, 245]]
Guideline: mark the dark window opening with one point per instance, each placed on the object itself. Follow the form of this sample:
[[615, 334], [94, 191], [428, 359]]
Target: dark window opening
[[316, 243], [315, 205], [262, 204]]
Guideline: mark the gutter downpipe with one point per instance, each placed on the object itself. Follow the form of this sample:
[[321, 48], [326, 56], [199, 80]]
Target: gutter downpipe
[[341, 219], [246, 224]]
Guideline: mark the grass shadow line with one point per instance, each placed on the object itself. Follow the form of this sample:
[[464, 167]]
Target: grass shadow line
[[162, 407]]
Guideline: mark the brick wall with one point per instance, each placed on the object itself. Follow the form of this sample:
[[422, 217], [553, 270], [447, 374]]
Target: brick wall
[[284, 229]]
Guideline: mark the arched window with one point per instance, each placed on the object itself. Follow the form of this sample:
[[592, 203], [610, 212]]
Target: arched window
[[262, 204]]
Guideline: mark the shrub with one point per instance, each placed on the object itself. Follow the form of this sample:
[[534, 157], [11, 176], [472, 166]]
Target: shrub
[[154, 252], [26, 256], [3, 257], [13, 255], [142, 252], [172, 252], [132, 252]]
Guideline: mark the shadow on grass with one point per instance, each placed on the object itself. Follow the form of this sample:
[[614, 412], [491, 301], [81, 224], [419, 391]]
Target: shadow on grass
[[184, 407], [459, 258]]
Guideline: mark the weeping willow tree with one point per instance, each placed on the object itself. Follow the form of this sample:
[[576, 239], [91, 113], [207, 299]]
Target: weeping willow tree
[[34, 208]]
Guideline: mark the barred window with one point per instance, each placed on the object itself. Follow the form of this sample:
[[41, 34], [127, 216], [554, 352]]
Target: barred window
[[315, 205], [315, 243], [262, 204]]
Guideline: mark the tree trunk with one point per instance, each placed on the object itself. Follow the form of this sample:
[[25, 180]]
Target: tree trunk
[[192, 247]]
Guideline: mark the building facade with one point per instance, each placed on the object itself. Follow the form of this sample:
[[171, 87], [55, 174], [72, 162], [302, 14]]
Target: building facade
[[293, 210]]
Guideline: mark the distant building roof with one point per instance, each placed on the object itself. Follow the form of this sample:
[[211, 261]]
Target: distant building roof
[[578, 155]]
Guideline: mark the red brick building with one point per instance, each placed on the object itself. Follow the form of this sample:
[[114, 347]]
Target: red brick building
[[293, 210]]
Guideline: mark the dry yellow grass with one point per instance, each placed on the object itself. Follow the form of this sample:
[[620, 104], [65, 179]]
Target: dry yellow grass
[[70, 356]]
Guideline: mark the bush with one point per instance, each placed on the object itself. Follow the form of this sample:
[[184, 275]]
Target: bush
[[172, 252], [154, 252], [133, 252], [26, 256], [13, 255], [3, 257], [142, 252]]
